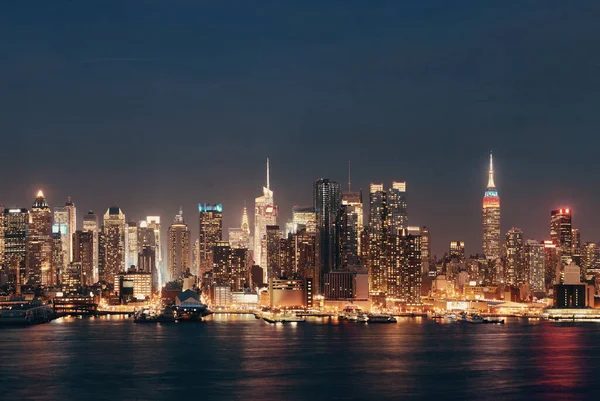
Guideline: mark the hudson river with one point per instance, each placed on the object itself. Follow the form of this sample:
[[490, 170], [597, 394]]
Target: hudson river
[[241, 358]]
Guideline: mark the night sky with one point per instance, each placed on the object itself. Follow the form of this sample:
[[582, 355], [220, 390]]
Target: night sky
[[157, 104]]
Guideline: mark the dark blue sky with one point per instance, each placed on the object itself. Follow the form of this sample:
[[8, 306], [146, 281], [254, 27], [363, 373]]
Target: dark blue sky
[[156, 104]]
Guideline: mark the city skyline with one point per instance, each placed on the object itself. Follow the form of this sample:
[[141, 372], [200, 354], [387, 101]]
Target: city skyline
[[231, 218]]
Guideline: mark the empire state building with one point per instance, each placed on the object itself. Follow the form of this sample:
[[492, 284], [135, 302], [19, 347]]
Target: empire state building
[[491, 218]]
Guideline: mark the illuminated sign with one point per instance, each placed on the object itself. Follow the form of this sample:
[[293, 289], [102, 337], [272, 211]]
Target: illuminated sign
[[210, 208], [491, 192]]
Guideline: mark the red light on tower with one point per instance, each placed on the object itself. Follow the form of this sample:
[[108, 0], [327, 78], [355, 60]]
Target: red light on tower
[[567, 211]]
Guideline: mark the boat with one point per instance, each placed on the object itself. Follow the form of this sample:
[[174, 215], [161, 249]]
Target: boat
[[24, 313], [381, 319], [434, 315], [146, 315], [473, 318], [273, 318], [493, 320], [449, 316]]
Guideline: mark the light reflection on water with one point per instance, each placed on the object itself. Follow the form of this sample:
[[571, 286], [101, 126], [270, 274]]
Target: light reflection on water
[[240, 357]]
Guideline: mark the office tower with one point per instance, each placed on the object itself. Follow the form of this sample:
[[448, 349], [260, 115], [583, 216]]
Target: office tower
[[147, 263], [240, 237], [211, 232], [273, 253], [304, 216], [590, 258], [287, 256], [561, 233], [57, 256], [131, 244], [230, 266], [101, 253], [61, 227], [71, 223], [491, 218], [515, 273], [179, 248], [327, 198], [397, 207], [221, 270], [576, 249], [303, 252], [457, 251], [349, 231], [196, 256], [377, 239], [404, 275], [16, 222], [39, 268], [552, 263], [90, 224], [83, 252], [265, 214], [154, 224], [534, 259], [425, 249], [114, 237]]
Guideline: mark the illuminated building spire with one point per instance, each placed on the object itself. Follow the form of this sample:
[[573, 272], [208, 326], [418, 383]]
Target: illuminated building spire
[[491, 178], [268, 178], [349, 190], [245, 225]]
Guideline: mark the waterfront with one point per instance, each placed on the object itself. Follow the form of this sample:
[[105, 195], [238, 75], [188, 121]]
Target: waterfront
[[239, 357]]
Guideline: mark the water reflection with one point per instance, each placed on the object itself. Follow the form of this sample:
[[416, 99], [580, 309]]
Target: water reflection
[[240, 357]]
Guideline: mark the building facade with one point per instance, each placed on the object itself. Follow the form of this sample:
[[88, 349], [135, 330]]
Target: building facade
[[265, 214], [397, 207], [179, 248], [491, 218], [210, 218]]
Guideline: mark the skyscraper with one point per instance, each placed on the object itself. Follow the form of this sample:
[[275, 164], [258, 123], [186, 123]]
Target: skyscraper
[[16, 222], [425, 249], [61, 227], [265, 214], [404, 275], [397, 207], [534, 259], [457, 251], [154, 224], [83, 252], [590, 256], [561, 233], [90, 224], [327, 200], [71, 223], [491, 218], [273, 252], [349, 231], [39, 244], [179, 248], [240, 237], [515, 273], [304, 216], [147, 263], [378, 237], [131, 244], [211, 232], [114, 237]]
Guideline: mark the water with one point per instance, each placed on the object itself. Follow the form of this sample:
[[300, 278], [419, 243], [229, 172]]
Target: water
[[239, 357]]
